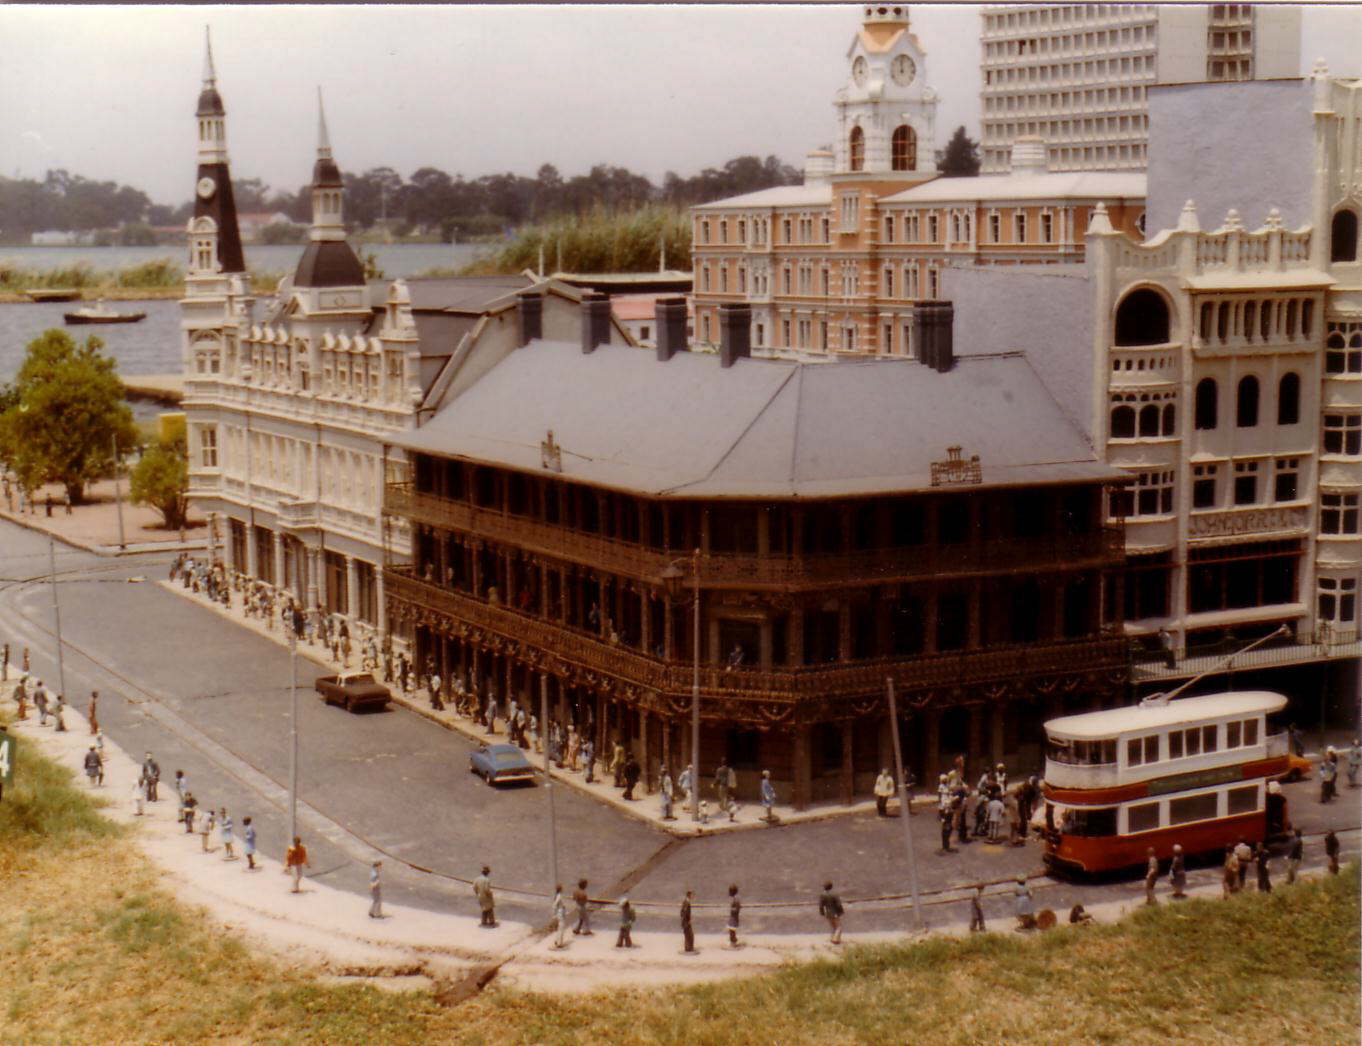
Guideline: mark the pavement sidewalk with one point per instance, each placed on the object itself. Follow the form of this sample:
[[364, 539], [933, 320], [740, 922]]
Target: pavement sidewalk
[[93, 526]]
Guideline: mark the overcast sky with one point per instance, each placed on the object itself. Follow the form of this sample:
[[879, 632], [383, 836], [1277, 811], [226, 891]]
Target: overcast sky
[[109, 92]]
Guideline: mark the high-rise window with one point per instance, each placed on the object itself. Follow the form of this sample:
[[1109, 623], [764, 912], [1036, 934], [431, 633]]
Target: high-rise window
[[902, 149], [856, 149]]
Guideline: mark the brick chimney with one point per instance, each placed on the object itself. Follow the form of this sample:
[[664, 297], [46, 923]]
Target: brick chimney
[[935, 321], [595, 321], [670, 317], [735, 332], [529, 313]]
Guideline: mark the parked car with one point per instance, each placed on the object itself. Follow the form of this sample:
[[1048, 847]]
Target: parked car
[[353, 690], [500, 764], [1298, 768]]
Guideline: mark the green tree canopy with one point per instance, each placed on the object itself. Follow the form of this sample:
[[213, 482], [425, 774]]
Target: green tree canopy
[[65, 411], [961, 159], [160, 480]]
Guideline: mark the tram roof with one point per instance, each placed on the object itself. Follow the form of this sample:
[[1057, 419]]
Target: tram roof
[[1113, 722]]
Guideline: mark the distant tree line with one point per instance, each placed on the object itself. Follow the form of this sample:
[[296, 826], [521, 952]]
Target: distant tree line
[[431, 199]]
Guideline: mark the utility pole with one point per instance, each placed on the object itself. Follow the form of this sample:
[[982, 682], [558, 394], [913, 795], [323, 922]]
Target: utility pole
[[903, 809], [56, 610], [293, 739], [695, 699], [118, 494], [548, 776]]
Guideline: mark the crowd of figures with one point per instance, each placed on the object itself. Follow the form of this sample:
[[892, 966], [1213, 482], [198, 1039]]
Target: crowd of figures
[[989, 810]]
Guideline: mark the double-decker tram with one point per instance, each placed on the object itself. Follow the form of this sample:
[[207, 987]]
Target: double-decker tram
[[1196, 771]]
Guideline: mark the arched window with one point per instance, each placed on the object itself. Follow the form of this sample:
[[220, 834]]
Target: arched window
[[1149, 420], [1343, 237], [1207, 397], [1142, 319], [1123, 423], [1289, 399], [903, 149], [1246, 406], [857, 149], [1169, 420]]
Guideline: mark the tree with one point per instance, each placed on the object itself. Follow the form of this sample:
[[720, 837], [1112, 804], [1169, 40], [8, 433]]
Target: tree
[[65, 412], [961, 158], [160, 480]]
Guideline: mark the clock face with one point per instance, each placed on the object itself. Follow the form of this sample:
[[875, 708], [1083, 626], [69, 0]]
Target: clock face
[[206, 187], [903, 70], [859, 69]]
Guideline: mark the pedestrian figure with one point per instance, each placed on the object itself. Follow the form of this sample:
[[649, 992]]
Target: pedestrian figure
[[976, 911], [295, 860], [560, 918], [664, 791], [482, 888], [248, 837], [40, 700], [21, 696], [206, 828], [375, 891], [94, 716], [686, 782], [534, 734], [1230, 881], [435, 701], [1354, 762], [632, 772], [491, 712], [1328, 774], [1177, 873], [830, 908], [768, 796], [1297, 739], [734, 915], [574, 750], [946, 825], [1166, 644], [58, 718], [721, 784], [909, 780], [617, 765], [1151, 876], [181, 789], [996, 812], [1014, 821], [1026, 907], [1243, 853], [139, 797], [25, 660], [884, 790], [94, 767], [687, 930], [1331, 851], [1000, 778], [583, 903], [943, 792], [190, 805], [624, 940], [1293, 857], [225, 827], [153, 773], [1078, 916], [1264, 877]]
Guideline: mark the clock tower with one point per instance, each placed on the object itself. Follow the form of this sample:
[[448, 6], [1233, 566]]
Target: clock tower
[[886, 113], [214, 239]]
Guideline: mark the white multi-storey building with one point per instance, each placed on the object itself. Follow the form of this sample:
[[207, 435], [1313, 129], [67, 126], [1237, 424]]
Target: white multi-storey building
[[1077, 75]]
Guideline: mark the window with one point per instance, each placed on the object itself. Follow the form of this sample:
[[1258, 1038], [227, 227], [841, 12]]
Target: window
[[723, 279], [1088, 821], [1343, 434], [1232, 734], [1142, 818], [1245, 482], [902, 149], [1142, 319], [888, 228], [723, 231], [932, 229], [1337, 600], [1203, 485], [1289, 399], [856, 150], [1338, 514], [1152, 495], [787, 230], [888, 281], [785, 333], [1193, 808], [1343, 349], [1123, 422], [1142, 750], [704, 232], [1285, 485], [208, 446], [1242, 800], [1246, 406], [1208, 736], [1250, 732], [995, 228], [1343, 237], [1206, 404], [1047, 227], [704, 278], [1149, 419], [1019, 224], [1175, 744]]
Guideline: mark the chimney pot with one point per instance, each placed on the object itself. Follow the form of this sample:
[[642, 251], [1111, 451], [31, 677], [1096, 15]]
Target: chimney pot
[[529, 309], [735, 332], [595, 321], [670, 317]]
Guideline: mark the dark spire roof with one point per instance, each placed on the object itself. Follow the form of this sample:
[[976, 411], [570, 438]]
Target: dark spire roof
[[210, 102], [329, 263], [324, 171]]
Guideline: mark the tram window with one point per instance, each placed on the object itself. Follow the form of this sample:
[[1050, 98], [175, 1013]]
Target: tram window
[[1232, 731], [1208, 738], [1243, 800], [1142, 750], [1108, 750], [1193, 808], [1175, 744], [1193, 737], [1143, 818], [1250, 732], [1089, 821]]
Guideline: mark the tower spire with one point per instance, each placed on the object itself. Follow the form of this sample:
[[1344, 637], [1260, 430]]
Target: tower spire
[[209, 76], [323, 139]]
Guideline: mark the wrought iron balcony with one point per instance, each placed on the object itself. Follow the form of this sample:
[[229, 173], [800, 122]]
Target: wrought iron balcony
[[780, 570]]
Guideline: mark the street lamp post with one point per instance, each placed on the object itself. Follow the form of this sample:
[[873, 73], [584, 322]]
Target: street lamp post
[[56, 613], [903, 807], [548, 776], [671, 577], [293, 737]]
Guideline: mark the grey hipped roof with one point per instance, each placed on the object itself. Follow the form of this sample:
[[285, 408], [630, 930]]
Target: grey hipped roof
[[761, 428]]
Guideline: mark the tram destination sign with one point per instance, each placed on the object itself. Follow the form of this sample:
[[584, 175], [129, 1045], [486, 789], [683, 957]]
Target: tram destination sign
[[1200, 779]]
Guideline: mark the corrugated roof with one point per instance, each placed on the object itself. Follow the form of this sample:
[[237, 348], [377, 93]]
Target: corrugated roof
[[777, 196], [1103, 185], [761, 428], [464, 293]]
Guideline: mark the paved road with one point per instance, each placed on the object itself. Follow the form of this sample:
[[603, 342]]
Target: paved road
[[213, 699]]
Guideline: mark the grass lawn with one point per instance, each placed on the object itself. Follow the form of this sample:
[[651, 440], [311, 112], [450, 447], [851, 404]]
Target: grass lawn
[[93, 950]]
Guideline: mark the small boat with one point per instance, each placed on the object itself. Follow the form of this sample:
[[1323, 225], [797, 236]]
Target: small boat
[[100, 313], [40, 294]]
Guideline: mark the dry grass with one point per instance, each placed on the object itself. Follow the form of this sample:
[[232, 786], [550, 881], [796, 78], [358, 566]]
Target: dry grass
[[93, 950]]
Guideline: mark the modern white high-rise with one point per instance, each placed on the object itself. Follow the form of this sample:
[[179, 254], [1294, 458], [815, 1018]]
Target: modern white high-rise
[[1077, 75]]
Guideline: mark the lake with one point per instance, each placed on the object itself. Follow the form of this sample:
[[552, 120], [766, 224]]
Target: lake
[[153, 346]]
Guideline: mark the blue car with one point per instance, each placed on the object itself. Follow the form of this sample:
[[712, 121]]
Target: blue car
[[500, 764]]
